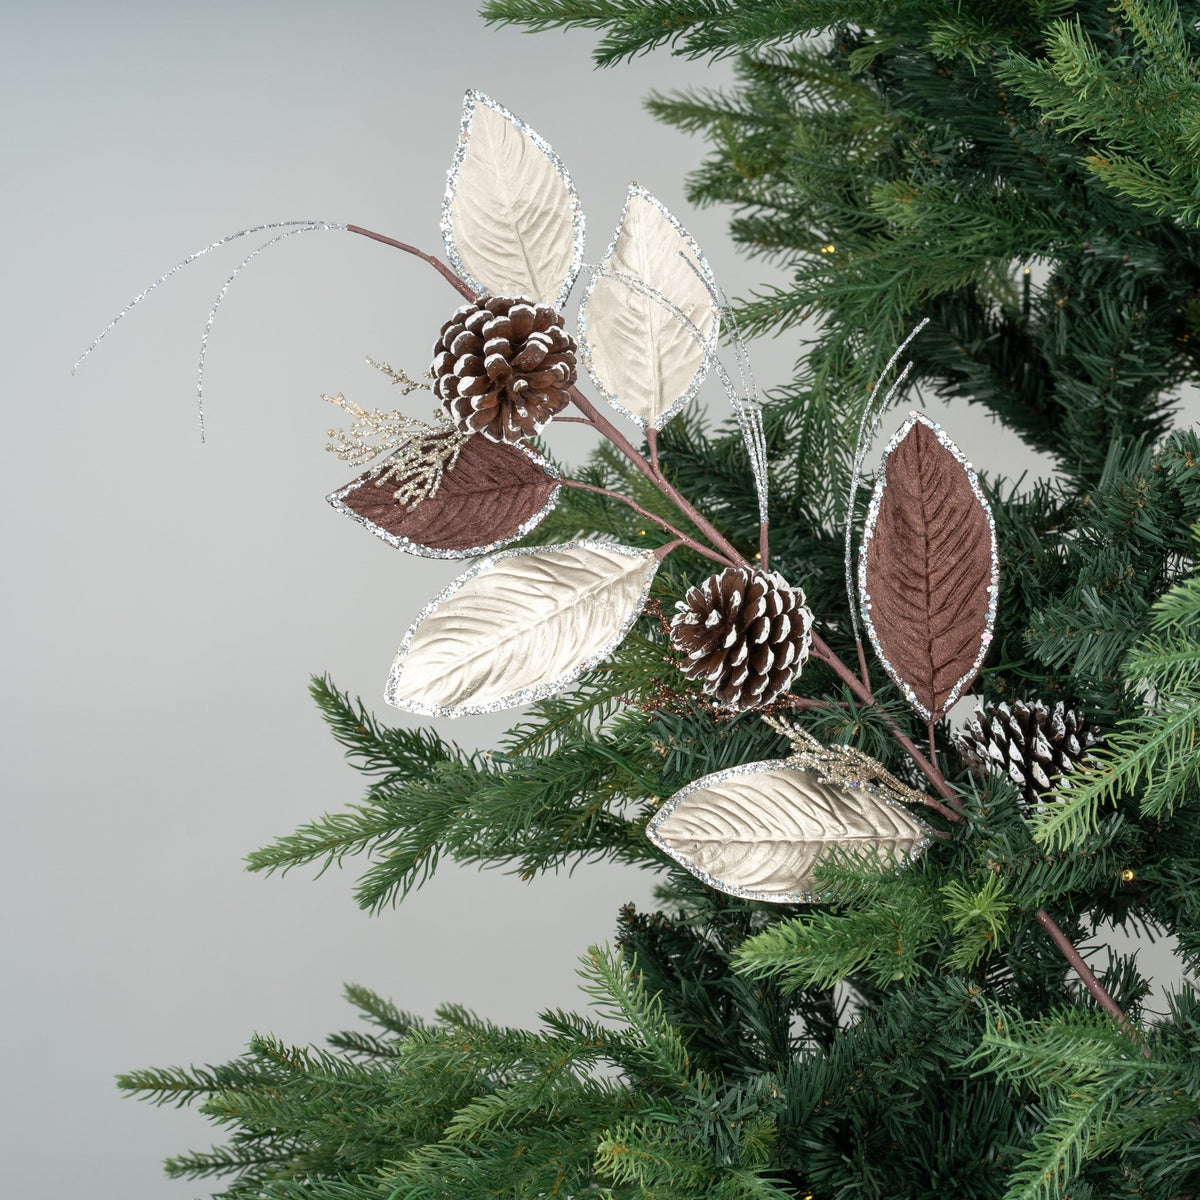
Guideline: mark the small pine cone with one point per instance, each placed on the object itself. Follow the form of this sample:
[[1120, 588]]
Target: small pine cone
[[1029, 743], [746, 635], [502, 367]]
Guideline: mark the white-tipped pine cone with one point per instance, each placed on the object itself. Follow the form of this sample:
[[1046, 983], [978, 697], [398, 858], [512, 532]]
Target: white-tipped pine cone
[[1030, 743], [502, 367], [745, 634]]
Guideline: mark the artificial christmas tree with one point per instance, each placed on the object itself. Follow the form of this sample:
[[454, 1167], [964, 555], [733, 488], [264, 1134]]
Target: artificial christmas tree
[[913, 1027]]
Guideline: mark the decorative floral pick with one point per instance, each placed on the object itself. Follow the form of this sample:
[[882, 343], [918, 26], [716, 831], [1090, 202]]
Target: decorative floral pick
[[524, 623]]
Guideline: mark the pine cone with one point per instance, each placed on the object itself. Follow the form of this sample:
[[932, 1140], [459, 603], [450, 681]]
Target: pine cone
[[746, 635], [502, 367], [1033, 745]]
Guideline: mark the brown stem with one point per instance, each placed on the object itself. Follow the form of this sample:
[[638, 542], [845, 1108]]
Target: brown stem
[[763, 549], [932, 743], [683, 539], [435, 263], [652, 443], [862, 664], [1093, 985], [605, 427]]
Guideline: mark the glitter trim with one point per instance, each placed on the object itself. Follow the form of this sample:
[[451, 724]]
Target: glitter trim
[[866, 429], [313, 227], [523, 695], [754, 768], [470, 100], [747, 405], [410, 547], [985, 641], [709, 343], [191, 258]]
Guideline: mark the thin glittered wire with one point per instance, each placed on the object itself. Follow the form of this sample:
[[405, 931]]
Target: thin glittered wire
[[191, 258], [872, 415], [311, 227], [746, 409]]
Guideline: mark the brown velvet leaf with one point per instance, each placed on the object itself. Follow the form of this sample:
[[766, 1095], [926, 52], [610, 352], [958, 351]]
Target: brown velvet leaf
[[927, 568], [494, 494]]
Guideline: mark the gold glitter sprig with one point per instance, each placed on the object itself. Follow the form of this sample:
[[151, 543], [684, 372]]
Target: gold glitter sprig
[[400, 378], [412, 455], [845, 766]]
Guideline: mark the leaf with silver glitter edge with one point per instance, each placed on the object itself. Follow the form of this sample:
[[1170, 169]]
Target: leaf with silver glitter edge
[[928, 588], [758, 830], [511, 218], [520, 626], [502, 491], [648, 322]]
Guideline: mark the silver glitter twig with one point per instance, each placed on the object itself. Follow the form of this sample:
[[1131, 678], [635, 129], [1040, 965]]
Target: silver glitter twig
[[191, 258], [310, 227], [746, 405], [866, 431], [747, 409]]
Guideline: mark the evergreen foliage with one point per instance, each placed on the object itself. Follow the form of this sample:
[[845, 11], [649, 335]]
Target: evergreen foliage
[[1023, 173]]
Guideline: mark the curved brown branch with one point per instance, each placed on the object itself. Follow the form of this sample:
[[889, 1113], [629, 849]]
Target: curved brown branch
[[433, 261]]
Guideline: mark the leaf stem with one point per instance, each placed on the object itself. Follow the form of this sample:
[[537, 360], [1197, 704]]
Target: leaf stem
[[862, 664], [1090, 981], [608, 430], [432, 260], [682, 538]]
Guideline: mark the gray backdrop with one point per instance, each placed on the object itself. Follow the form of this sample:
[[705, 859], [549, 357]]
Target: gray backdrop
[[167, 601]]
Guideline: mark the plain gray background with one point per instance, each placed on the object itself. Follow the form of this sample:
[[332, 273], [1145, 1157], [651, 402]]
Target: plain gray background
[[165, 602]]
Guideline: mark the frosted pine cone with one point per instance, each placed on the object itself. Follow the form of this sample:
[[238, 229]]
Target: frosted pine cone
[[502, 367], [745, 634], [1031, 744]]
